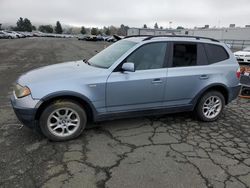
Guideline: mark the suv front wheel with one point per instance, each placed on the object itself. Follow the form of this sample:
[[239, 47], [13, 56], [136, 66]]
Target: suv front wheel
[[63, 120], [210, 106]]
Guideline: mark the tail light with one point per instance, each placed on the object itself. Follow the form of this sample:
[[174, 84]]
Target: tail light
[[238, 73]]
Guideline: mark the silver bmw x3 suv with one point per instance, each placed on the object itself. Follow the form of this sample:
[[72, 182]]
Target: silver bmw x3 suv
[[139, 75]]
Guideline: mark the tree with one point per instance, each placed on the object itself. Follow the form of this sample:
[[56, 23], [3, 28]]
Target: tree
[[122, 30], [58, 28], [94, 31], [161, 27], [83, 30], [33, 27], [19, 24], [27, 25], [145, 26], [156, 26], [46, 28], [99, 32], [180, 27], [106, 31], [113, 30], [23, 25]]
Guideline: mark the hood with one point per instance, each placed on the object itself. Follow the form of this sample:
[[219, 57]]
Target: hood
[[242, 53], [61, 71]]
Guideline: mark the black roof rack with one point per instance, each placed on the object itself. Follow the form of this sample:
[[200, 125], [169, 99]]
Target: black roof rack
[[137, 36], [182, 36]]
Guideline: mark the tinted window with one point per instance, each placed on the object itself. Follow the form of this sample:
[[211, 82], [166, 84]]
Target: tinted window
[[149, 56], [184, 55], [201, 55], [215, 53]]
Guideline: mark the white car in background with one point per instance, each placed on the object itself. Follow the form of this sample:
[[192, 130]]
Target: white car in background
[[18, 34], [243, 56], [10, 34], [3, 35]]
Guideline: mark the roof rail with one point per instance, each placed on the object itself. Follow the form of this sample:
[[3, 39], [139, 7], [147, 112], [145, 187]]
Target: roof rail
[[137, 36], [182, 36]]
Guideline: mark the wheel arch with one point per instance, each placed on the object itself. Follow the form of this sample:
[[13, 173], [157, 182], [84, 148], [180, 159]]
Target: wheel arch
[[217, 87], [66, 95]]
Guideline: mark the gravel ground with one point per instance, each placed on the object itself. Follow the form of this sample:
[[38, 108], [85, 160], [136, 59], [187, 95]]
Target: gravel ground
[[157, 151]]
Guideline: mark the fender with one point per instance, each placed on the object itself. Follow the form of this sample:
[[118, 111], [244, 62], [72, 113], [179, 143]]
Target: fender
[[67, 94], [195, 99]]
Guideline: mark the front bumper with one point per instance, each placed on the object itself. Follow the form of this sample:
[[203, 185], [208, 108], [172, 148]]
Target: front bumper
[[24, 111], [234, 92], [243, 60]]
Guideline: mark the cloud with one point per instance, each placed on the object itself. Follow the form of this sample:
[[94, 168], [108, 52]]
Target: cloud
[[135, 13]]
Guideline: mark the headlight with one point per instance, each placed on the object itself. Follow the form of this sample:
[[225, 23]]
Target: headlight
[[21, 91]]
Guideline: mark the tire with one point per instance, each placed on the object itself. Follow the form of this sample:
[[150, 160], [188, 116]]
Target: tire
[[209, 111], [67, 118]]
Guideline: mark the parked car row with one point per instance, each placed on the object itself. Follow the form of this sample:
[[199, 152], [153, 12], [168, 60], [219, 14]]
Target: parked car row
[[113, 38], [4, 34], [11, 35], [18, 34], [96, 38], [41, 34]]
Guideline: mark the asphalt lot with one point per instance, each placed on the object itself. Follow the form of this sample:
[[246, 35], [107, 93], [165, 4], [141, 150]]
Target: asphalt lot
[[158, 151]]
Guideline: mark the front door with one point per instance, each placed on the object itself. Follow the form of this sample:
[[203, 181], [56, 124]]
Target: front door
[[144, 88]]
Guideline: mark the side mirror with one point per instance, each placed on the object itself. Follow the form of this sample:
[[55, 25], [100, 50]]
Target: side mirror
[[130, 67]]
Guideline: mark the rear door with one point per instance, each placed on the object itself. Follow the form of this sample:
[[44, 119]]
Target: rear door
[[187, 73]]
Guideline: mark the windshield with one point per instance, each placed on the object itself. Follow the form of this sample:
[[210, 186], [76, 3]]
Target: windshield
[[247, 49], [108, 56]]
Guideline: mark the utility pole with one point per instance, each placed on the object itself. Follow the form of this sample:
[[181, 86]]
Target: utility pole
[[170, 24], [0, 26]]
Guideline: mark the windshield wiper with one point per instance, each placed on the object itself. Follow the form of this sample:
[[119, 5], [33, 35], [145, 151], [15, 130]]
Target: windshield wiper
[[86, 61]]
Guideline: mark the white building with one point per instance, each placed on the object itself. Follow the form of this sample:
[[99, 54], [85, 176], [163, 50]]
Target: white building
[[217, 33], [220, 33], [237, 37], [148, 31]]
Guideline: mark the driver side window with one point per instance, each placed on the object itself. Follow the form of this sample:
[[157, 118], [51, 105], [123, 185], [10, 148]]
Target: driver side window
[[149, 56]]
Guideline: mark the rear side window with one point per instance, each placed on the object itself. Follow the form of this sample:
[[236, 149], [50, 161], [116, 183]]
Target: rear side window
[[184, 55], [215, 53]]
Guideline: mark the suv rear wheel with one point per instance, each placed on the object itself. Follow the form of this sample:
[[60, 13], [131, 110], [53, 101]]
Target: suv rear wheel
[[63, 120], [210, 106]]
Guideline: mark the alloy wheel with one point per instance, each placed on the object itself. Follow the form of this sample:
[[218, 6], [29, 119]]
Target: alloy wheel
[[212, 107], [63, 122]]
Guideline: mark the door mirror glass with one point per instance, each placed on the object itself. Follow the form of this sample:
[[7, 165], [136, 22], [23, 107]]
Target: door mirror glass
[[128, 66]]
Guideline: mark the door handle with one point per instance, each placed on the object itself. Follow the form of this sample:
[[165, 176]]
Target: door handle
[[157, 81], [204, 77]]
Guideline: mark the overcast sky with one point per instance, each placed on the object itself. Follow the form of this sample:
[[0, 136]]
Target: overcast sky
[[135, 13]]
